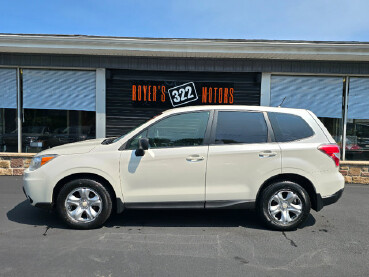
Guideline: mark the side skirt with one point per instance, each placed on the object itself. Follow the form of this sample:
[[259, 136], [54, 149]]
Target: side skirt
[[166, 205], [230, 204], [216, 204]]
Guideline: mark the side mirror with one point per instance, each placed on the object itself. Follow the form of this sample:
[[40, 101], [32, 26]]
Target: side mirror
[[143, 144]]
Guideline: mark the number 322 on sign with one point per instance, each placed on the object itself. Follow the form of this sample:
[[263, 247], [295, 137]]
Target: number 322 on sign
[[182, 94]]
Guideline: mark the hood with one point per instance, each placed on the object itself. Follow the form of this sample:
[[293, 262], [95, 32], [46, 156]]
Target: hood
[[74, 148]]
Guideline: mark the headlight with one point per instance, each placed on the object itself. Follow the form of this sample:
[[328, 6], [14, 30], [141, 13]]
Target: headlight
[[39, 161]]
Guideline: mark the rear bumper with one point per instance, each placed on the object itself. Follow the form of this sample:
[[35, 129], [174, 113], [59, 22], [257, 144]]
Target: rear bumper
[[328, 200]]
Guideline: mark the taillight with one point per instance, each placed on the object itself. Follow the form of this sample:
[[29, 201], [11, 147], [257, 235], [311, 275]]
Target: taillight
[[333, 151]]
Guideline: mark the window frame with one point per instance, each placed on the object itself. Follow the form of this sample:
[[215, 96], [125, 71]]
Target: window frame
[[270, 133], [206, 137]]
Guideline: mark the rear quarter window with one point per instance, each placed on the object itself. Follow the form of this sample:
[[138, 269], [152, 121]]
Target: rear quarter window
[[289, 127]]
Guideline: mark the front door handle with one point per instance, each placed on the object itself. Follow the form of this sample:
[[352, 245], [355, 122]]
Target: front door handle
[[195, 158], [267, 154]]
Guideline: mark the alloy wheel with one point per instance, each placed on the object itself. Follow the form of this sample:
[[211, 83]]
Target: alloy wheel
[[285, 206], [83, 204]]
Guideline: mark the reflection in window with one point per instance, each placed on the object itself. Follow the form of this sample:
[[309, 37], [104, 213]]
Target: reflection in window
[[134, 142], [357, 135], [176, 131], [311, 93], [289, 127], [241, 127], [8, 130], [179, 130], [59, 107], [44, 129], [8, 114], [334, 127]]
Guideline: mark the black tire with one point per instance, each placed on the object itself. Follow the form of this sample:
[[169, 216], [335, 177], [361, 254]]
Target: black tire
[[103, 212], [283, 187]]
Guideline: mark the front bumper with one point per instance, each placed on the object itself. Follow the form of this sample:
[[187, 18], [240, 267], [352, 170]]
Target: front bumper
[[37, 189], [328, 200], [46, 206]]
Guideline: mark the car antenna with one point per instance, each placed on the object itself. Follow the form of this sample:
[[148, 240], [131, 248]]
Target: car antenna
[[282, 102]]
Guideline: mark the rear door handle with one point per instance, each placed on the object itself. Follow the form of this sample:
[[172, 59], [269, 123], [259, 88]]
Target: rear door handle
[[195, 158], [267, 154]]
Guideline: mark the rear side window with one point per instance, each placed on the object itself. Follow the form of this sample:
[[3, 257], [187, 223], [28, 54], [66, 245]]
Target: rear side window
[[289, 127], [241, 127]]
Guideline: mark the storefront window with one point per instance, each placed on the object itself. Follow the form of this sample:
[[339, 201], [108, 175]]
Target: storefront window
[[44, 129], [311, 93], [357, 134], [8, 130], [334, 127], [58, 108], [8, 110]]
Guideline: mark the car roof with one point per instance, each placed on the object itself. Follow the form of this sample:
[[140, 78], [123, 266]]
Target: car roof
[[235, 107]]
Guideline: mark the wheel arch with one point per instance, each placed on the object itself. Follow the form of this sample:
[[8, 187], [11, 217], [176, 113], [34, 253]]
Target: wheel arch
[[117, 203], [296, 178]]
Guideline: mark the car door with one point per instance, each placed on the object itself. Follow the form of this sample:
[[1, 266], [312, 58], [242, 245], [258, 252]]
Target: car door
[[241, 156], [172, 171]]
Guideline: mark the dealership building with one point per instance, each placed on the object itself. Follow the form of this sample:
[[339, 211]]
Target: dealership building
[[56, 89]]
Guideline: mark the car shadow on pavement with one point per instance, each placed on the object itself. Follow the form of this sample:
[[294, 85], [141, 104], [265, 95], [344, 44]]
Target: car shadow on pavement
[[191, 218], [23, 213]]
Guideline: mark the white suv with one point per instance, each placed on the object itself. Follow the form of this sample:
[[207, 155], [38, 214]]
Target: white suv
[[280, 161]]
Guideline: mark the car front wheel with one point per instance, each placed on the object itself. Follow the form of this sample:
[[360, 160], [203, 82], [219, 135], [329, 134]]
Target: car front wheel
[[284, 205], [84, 204]]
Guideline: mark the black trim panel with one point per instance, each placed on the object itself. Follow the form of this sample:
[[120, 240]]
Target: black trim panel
[[216, 204], [230, 204], [321, 202], [333, 198], [120, 205], [271, 137], [44, 205], [166, 205]]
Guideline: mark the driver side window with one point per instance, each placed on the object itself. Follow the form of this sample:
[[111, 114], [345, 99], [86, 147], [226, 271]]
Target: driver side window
[[180, 130]]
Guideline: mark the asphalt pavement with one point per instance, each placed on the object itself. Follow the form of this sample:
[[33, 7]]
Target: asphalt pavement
[[333, 242]]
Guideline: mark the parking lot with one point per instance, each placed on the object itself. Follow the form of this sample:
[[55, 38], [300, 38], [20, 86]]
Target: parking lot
[[33, 242]]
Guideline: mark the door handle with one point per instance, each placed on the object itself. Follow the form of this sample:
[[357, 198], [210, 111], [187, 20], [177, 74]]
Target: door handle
[[267, 154], [195, 158]]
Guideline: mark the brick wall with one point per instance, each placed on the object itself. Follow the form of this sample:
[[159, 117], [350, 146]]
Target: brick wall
[[355, 172], [14, 163]]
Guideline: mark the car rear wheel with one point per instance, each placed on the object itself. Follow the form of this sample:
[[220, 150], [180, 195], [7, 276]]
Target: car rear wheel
[[84, 204], [284, 205]]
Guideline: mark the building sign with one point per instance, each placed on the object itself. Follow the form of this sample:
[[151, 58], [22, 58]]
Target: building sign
[[182, 94], [134, 96], [175, 94], [217, 95]]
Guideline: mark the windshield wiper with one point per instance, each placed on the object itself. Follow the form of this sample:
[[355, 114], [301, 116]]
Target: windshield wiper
[[108, 140]]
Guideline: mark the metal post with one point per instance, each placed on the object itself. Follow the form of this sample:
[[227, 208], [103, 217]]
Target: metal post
[[345, 118], [19, 111], [100, 103], [265, 89]]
